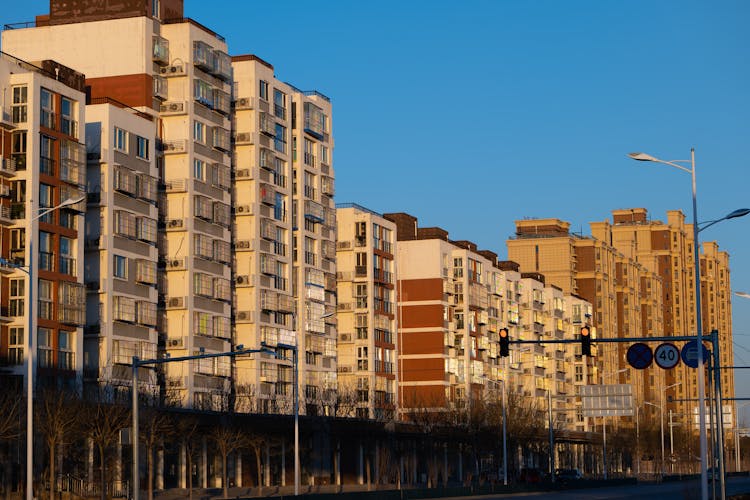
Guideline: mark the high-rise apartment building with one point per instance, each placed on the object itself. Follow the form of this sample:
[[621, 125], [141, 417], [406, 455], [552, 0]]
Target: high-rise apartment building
[[666, 250], [121, 238], [245, 249], [43, 164], [367, 323]]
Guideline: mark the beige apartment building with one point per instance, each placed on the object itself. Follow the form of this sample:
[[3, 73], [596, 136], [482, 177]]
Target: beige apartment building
[[121, 238], [453, 301], [179, 72], [367, 322], [666, 250], [284, 240], [42, 165]]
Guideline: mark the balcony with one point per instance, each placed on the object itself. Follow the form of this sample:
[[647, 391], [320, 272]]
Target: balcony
[[160, 53], [73, 172], [8, 166], [314, 212], [173, 147]]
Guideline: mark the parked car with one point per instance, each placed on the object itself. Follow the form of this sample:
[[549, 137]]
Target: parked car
[[566, 475]]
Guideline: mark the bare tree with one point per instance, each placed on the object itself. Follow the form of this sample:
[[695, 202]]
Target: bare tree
[[10, 428], [105, 419], [155, 424], [56, 416], [187, 429], [257, 442], [228, 438]]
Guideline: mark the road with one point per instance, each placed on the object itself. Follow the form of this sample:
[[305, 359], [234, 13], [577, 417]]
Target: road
[[678, 490]]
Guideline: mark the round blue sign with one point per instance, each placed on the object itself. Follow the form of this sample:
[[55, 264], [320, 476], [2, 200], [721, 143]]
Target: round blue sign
[[640, 356], [689, 354]]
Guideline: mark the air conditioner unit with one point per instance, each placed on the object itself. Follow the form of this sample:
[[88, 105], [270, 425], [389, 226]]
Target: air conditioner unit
[[243, 103], [172, 70], [243, 315], [176, 302], [244, 172], [178, 342], [346, 337], [175, 263], [243, 209], [4, 190], [174, 223], [345, 369], [243, 244], [243, 280]]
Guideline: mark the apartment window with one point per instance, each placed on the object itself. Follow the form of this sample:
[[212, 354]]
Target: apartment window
[[146, 229], [19, 111], [121, 140], [44, 350], [67, 261], [16, 343], [324, 154], [145, 272], [65, 350], [46, 201], [145, 313], [279, 104], [17, 294], [279, 208], [68, 124], [46, 257], [199, 170], [309, 150], [120, 267], [263, 90], [45, 299], [203, 285], [47, 109], [279, 140], [125, 224], [199, 131], [142, 147], [222, 251], [155, 9], [18, 149], [204, 92], [123, 309], [47, 155]]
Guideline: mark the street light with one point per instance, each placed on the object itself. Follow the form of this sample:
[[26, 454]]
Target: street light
[[295, 350], [31, 356], [698, 324], [604, 424]]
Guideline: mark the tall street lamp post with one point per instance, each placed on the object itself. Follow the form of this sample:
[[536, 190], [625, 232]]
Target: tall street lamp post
[[31, 355], [504, 390], [698, 324]]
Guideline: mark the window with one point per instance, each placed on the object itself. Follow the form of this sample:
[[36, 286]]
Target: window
[[67, 261], [123, 309], [18, 149], [16, 342], [47, 155], [68, 125], [324, 154], [204, 92], [65, 351], [142, 147], [47, 109], [199, 132], [125, 224], [145, 313], [17, 287], [46, 257], [121, 140], [44, 349], [120, 267], [145, 272], [279, 104], [263, 90], [199, 170], [45, 299], [19, 111], [279, 140], [146, 229], [46, 201], [155, 9]]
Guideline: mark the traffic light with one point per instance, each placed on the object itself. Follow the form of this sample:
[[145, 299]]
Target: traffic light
[[585, 341], [504, 343]]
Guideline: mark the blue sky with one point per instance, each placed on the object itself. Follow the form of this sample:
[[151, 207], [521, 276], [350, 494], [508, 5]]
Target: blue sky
[[470, 115]]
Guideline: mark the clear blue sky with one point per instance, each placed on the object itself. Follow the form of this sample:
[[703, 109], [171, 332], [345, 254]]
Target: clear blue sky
[[470, 115]]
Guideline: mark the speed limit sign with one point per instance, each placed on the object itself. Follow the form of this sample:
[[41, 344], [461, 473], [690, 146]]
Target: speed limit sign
[[667, 356]]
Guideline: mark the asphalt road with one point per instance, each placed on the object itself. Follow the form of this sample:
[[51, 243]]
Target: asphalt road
[[677, 490]]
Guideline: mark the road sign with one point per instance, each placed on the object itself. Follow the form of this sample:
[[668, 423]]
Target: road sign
[[640, 356], [690, 354], [667, 356], [607, 400]]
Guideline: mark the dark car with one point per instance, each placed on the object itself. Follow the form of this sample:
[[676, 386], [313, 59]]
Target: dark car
[[567, 475]]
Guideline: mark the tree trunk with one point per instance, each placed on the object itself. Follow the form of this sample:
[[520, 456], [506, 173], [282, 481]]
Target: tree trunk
[[190, 477], [259, 466], [224, 475], [52, 471], [150, 474], [102, 474]]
